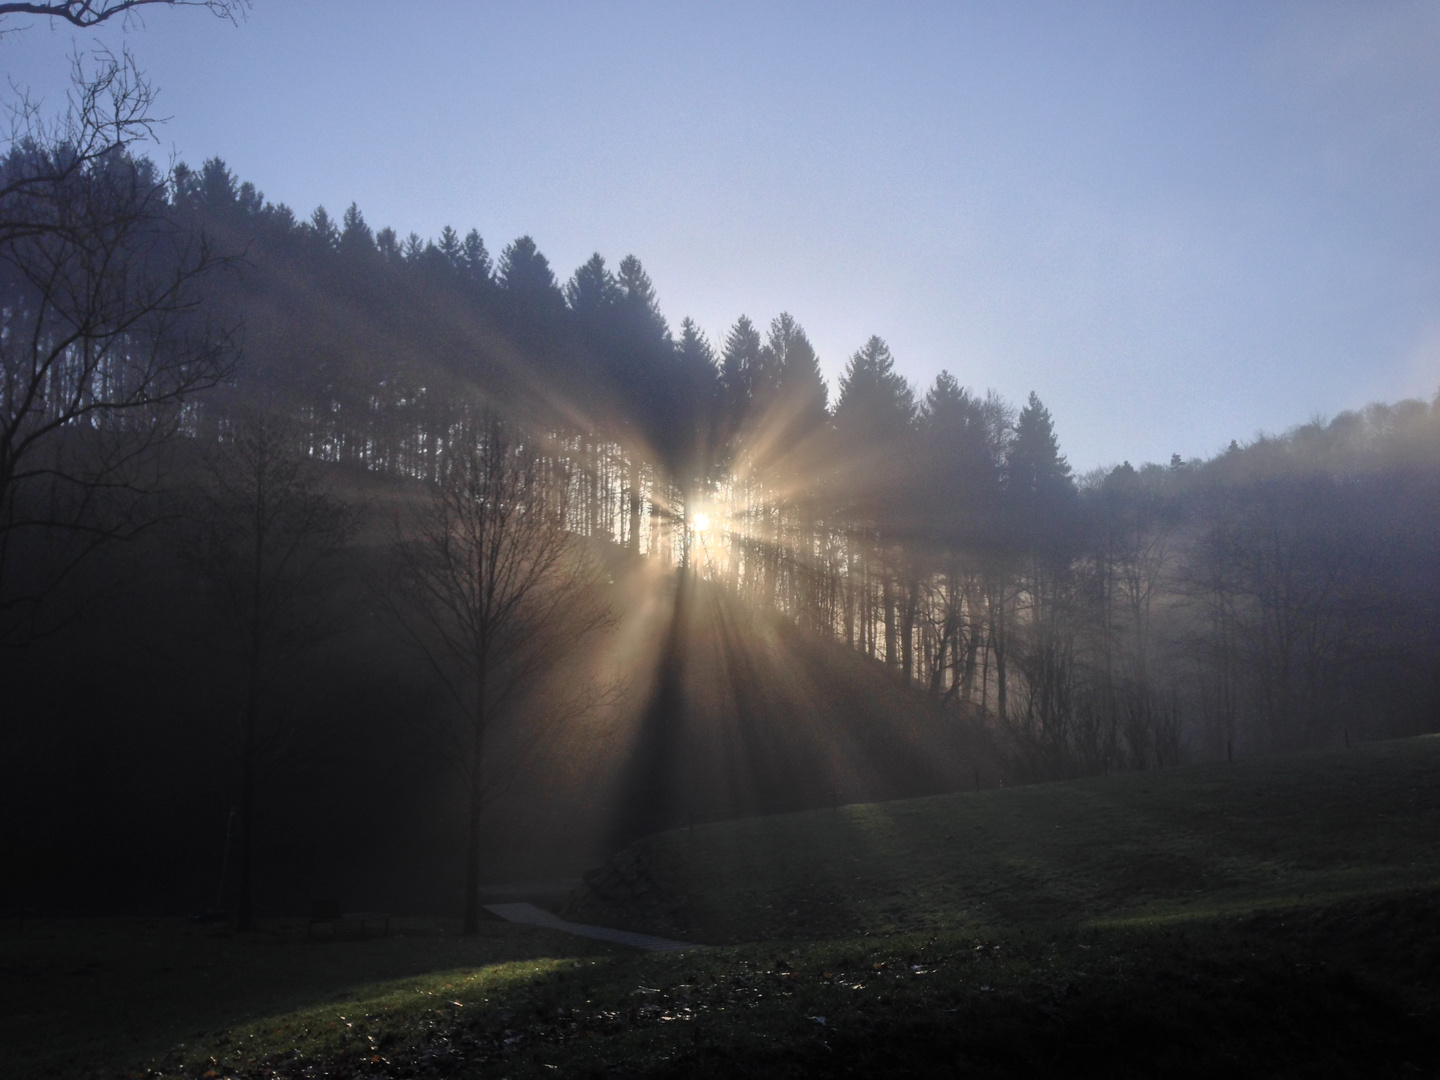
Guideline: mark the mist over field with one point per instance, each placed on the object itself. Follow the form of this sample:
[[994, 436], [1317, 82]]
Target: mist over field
[[387, 575]]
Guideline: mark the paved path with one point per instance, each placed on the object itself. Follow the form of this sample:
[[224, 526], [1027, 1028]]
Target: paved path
[[534, 916]]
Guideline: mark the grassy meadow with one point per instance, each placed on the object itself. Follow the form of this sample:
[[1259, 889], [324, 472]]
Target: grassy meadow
[[1279, 917], [1203, 841]]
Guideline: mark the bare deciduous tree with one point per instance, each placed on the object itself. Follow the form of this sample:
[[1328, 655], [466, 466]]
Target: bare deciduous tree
[[490, 584], [268, 536], [104, 334], [88, 13]]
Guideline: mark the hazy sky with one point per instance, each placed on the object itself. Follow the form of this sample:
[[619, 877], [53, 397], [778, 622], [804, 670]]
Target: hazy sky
[[1179, 224]]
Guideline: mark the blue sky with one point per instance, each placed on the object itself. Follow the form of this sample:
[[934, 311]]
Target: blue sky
[[1179, 224]]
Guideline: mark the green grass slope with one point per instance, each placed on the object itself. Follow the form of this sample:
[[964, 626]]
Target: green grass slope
[[1185, 843], [1276, 918], [77, 995]]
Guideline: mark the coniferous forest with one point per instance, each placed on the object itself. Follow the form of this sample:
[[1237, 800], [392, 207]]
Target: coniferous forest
[[271, 638], [624, 698]]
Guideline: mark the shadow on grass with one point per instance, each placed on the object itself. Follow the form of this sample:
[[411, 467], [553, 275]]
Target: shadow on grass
[[1326, 990], [84, 995], [1204, 838]]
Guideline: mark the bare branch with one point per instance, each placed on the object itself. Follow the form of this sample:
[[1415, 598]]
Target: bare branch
[[489, 584], [87, 13], [105, 332]]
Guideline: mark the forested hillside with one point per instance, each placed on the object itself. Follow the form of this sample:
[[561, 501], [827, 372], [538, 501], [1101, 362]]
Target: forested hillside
[[745, 539], [1275, 596]]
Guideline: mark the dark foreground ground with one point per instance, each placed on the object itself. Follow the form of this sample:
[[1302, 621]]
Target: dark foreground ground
[[1310, 947]]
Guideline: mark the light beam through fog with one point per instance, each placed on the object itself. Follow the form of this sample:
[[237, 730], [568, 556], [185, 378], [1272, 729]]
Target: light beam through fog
[[468, 583], [821, 589]]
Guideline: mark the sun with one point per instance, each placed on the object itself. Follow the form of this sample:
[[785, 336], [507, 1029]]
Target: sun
[[700, 522]]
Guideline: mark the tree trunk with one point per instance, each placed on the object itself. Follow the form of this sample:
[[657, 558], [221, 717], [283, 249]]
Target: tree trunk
[[972, 652], [244, 917], [887, 599], [997, 638], [937, 666], [472, 839], [967, 627], [851, 571], [907, 629], [633, 540]]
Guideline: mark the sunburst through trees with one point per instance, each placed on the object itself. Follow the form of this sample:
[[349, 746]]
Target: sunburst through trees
[[808, 600]]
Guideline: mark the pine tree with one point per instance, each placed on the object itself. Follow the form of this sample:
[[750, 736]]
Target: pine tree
[[639, 300], [323, 231], [476, 260], [872, 472], [1035, 469], [527, 284], [695, 347], [250, 201], [699, 366], [524, 270], [738, 364], [958, 479], [799, 386], [875, 403], [451, 248], [388, 246], [217, 191], [698, 381], [1038, 483], [355, 237], [592, 290]]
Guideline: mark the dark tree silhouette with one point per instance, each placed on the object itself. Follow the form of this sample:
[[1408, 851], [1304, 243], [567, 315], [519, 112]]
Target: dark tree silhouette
[[104, 334], [1036, 473], [954, 500], [528, 284], [475, 260], [591, 292], [490, 584], [951, 539], [356, 239], [876, 405], [268, 537], [874, 421], [87, 13], [797, 397], [740, 361]]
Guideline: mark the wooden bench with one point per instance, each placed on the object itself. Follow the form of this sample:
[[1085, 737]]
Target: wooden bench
[[328, 911]]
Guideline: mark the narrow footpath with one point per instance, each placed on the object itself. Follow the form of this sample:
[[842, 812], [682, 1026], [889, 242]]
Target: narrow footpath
[[531, 915]]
